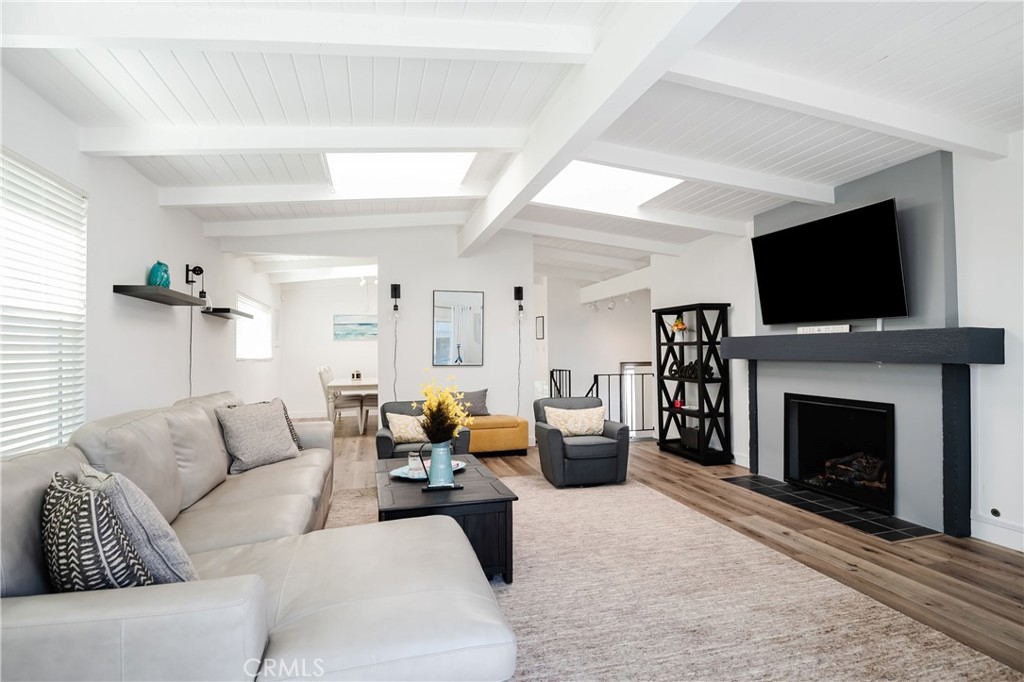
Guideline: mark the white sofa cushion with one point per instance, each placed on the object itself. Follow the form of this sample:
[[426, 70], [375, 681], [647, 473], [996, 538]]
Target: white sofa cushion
[[138, 445], [197, 450], [239, 523], [335, 596]]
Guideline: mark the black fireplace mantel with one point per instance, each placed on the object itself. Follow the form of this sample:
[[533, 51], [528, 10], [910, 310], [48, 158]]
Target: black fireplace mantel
[[954, 348], [946, 346]]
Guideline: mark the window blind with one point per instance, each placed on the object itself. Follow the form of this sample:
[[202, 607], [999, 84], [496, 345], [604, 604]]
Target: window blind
[[253, 337], [42, 307]]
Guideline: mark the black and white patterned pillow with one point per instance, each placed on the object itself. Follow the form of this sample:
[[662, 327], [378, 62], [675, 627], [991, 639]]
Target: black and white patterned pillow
[[84, 544]]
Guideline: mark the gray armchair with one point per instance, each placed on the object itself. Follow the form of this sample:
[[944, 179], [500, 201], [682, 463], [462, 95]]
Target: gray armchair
[[388, 448], [580, 460]]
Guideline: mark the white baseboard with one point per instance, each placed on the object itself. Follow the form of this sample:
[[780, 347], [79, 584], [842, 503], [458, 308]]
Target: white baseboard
[[1004, 534]]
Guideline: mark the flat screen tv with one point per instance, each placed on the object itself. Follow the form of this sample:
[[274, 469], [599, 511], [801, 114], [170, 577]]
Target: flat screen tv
[[844, 267]]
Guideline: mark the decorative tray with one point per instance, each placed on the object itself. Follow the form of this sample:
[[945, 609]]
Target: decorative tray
[[403, 472]]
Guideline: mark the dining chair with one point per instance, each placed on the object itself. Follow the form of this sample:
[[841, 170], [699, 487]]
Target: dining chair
[[337, 401], [370, 402]]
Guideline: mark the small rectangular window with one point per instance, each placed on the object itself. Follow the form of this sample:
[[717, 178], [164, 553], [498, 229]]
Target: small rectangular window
[[253, 337]]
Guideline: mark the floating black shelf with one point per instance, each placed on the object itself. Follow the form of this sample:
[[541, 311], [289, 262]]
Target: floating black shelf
[[693, 380], [226, 313], [158, 294]]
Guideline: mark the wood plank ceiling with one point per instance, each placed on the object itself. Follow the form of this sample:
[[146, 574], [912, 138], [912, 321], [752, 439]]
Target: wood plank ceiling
[[228, 107]]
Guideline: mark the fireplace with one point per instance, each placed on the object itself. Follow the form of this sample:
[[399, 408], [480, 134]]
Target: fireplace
[[842, 448]]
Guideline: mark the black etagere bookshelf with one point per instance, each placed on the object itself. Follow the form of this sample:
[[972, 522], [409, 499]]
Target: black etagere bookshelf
[[693, 383]]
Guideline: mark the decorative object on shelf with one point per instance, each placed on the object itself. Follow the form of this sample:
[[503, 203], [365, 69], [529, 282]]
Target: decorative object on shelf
[[679, 328], [444, 412], [159, 275]]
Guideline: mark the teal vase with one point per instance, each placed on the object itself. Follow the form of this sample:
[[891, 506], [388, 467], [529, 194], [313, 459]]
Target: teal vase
[[159, 275], [441, 464]]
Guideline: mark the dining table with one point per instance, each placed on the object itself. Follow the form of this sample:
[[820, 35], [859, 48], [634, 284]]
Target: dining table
[[351, 386]]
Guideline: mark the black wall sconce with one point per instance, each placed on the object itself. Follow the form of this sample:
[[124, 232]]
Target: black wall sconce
[[518, 293], [396, 293], [196, 270]]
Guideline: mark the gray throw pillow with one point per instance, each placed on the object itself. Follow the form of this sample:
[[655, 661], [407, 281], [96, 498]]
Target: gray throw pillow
[[477, 402], [144, 525], [256, 434], [84, 544]]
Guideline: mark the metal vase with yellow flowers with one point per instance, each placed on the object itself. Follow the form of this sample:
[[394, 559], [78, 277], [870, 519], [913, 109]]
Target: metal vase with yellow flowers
[[444, 413]]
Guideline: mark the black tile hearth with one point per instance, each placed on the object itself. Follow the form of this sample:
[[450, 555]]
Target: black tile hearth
[[874, 523]]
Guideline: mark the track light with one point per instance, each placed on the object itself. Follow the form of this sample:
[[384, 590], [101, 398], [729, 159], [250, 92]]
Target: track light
[[627, 300], [362, 281], [611, 304]]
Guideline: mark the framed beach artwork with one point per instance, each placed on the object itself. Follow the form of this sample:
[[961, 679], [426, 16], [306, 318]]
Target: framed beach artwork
[[355, 327]]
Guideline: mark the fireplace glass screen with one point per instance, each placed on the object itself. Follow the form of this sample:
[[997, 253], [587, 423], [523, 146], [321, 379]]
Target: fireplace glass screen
[[843, 448]]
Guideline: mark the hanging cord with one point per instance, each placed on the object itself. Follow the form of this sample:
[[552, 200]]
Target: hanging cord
[[191, 311], [519, 370], [394, 366]]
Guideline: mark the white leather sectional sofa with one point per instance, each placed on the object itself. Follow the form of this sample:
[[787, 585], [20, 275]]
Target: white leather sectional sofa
[[276, 599]]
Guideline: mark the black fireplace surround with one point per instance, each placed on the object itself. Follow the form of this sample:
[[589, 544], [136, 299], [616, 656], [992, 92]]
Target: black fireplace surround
[[842, 448]]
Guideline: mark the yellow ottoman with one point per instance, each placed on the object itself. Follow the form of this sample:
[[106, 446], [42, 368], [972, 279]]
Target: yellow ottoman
[[498, 434]]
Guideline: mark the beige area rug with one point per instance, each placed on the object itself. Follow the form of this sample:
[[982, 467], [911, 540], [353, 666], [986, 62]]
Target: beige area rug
[[623, 583]]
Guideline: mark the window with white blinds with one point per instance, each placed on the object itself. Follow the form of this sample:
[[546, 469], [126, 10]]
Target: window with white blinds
[[253, 337], [42, 307]]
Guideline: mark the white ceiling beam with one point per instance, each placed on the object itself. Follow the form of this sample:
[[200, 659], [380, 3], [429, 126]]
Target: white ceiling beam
[[317, 274], [296, 264], [152, 26], [695, 170], [622, 68], [238, 195], [292, 140], [548, 254], [749, 81], [568, 273], [267, 228], [692, 221], [580, 234], [617, 286]]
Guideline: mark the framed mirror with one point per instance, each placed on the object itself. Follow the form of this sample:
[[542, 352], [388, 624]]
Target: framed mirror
[[458, 328]]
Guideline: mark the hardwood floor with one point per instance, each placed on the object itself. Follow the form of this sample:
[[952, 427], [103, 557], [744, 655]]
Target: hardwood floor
[[969, 589]]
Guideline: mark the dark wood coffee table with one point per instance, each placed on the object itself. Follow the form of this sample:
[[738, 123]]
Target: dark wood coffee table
[[483, 508]]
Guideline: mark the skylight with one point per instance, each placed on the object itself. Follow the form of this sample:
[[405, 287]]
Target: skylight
[[583, 185], [398, 174]]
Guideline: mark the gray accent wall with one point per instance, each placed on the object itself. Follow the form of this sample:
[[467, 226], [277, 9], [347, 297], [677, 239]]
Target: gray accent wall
[[924, 203], [915, 390], [923, 189]]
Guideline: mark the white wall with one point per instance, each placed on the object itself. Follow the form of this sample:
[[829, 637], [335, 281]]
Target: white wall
[[307, 339], [541, 367], [589, 342], [715, 269], [989, 219], [137, 352], [422, 260]]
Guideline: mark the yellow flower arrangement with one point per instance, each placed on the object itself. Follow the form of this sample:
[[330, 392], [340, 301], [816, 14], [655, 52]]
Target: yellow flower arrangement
[[444, 411], [679, 325]]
